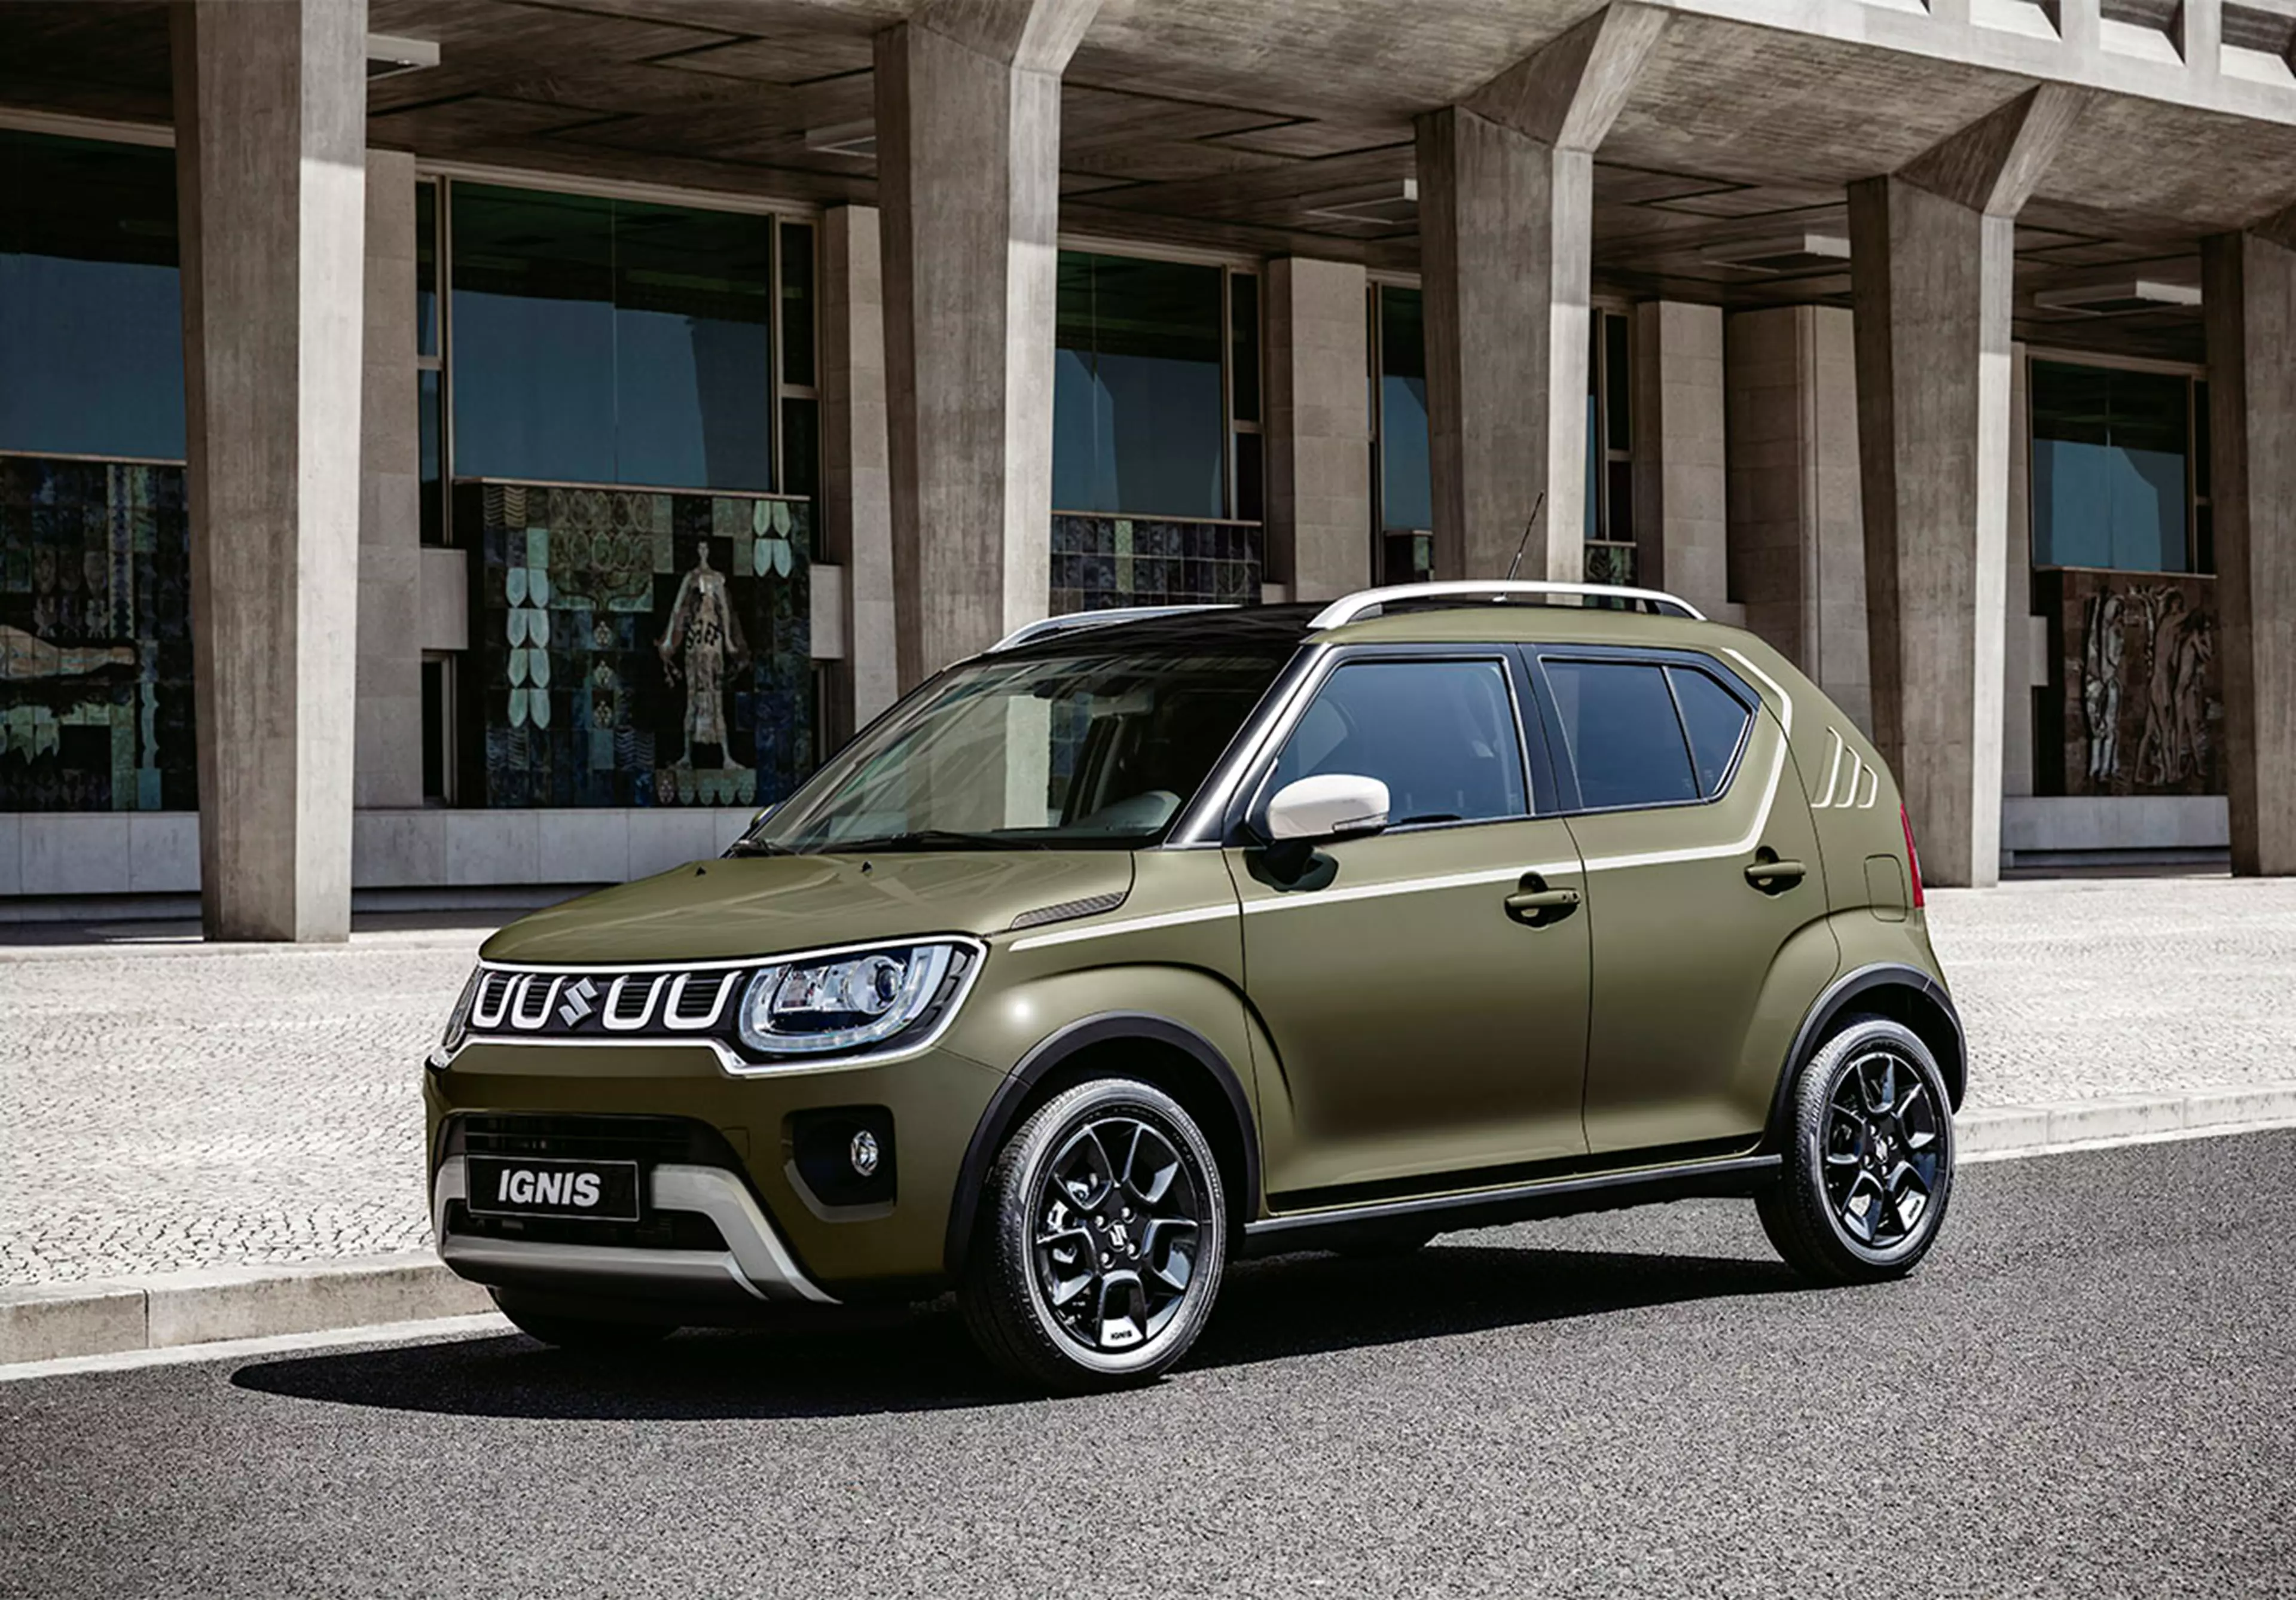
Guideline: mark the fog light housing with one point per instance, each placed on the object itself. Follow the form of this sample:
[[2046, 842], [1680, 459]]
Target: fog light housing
[[843, 1156]]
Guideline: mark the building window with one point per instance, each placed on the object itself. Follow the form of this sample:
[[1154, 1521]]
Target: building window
[[437, 729], [1139, 416], [91, 312], [1609, 451], [430, 369], [599, 341], [2113, 487]]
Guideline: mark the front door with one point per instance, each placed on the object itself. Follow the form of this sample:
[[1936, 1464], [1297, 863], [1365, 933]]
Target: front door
[[1420, 1026], [1704, 872]]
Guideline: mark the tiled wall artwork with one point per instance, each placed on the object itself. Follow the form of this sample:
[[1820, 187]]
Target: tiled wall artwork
[[1104, 561], [95, 638], [640, 648]]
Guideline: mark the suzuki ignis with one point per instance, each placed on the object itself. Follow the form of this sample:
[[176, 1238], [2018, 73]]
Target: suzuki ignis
[[1146, 942]]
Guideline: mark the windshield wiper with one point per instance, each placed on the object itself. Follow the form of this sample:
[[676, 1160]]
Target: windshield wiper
[[758, 847], [930, 838]]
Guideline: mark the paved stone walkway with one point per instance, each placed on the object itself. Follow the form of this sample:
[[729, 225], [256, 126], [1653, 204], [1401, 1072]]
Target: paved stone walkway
[[167, 1105]]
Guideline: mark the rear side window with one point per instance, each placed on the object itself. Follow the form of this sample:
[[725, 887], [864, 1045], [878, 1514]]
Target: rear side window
[[1440, 734], [1716, 721], [1625, 742]]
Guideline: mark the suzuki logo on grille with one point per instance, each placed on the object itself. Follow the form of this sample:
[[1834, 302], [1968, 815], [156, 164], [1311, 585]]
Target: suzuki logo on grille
[[579, 1003]]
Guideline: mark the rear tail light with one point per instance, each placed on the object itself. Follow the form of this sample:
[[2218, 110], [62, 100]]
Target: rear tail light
[[1913, 858]]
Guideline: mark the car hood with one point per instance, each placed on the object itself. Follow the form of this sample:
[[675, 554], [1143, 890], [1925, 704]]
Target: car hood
[[765, 904]]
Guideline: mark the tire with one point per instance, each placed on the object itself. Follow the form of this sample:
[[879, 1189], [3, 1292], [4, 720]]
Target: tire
[[583, 1336], [1868, 1147], [1103, 1236]]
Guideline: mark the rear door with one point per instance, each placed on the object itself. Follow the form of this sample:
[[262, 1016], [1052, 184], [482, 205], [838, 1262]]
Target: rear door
[[1704, 876], [1420, 1027]]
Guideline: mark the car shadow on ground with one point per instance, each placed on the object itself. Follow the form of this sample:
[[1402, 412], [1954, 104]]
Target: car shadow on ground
[[835, 1363]]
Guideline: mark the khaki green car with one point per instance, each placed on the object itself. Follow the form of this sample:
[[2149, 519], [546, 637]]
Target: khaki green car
[[1149, 940]]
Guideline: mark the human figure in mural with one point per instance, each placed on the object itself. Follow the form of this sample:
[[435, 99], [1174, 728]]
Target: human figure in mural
[[703, 640], [2196, 647], [2159, 761], [2101, 687]]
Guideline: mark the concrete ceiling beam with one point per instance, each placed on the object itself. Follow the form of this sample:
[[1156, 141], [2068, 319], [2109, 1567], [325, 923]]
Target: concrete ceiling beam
[[1570, 91], [1993, 164], [1029, 35]]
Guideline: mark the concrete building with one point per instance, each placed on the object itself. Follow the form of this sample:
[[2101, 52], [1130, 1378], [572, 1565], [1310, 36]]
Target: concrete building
[[450, 445]]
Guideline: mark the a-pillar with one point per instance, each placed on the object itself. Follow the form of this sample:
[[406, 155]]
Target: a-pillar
[[1319, 517], [968, 149], [2249, 294], [1506, 210], [1932, 248], [271, 177]]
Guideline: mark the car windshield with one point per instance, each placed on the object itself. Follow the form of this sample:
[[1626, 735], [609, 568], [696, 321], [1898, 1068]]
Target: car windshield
[[1081, 751]]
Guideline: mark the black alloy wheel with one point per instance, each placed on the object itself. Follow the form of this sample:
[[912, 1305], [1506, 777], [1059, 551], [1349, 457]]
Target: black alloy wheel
[[1104, 1237], [1867, 1156]]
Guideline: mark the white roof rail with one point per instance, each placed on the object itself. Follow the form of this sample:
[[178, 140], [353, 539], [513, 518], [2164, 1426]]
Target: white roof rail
[[1073, 621], [1365, 602]]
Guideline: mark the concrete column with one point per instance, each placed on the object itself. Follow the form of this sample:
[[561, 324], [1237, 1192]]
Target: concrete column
[[1681, 521], [2249, 295], [389, 720], [1933, 248], [968, 152], [271, 173], [1797, 533], [856, 489], [1505, 225], [2025, 644], [1318, 432]]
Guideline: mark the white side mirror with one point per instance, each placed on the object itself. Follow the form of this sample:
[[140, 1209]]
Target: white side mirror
[[1330, 805]]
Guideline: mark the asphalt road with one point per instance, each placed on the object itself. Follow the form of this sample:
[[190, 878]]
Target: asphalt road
[[2089, 1388]]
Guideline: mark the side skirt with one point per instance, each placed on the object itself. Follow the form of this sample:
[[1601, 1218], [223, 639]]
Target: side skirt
[[1731, 1177]]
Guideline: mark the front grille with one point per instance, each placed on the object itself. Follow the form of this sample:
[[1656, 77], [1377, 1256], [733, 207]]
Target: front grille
[[607, 1004], [646, 1140], [661, 1230]]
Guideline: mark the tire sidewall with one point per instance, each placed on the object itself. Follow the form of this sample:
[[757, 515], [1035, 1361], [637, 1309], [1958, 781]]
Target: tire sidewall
[[1814, 1100], [1046, 1133]]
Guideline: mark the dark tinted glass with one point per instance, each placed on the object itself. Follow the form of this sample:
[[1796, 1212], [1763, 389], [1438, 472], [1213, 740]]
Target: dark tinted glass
[[1440, 734], [601, 340], [1137, 420], [434, 730], [1244, 351], [1618, 380], [1716, 720], [91, 313], [426, 268], [801, 446], [797, 304], [1626, 742], [429, 435], [1404, 498], [2109, 454]]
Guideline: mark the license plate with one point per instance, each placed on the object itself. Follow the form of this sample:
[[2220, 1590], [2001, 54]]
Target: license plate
[[506, 1186]]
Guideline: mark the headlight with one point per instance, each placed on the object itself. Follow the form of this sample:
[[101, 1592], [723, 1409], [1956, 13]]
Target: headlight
[[843, 1001]]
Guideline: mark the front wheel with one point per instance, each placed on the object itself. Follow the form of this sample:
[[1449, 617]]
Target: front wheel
[[1869, 1149], [1104, 1234]]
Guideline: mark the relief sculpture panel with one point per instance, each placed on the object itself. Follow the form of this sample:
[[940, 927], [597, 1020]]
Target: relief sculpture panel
[[2137, 703]]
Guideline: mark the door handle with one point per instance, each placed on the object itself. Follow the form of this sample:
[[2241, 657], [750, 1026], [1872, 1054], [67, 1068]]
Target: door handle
[[1772, 877], [1535, 905]]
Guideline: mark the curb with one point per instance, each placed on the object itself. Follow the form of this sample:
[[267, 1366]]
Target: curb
[[50, 1322]]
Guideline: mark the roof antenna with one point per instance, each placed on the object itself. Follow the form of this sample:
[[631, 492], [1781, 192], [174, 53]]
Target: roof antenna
[[1536, 506]]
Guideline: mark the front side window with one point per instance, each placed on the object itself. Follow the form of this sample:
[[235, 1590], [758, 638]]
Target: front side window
[[1441, 735], [1086, 749]]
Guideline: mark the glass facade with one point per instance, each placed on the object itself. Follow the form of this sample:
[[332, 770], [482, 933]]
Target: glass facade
[[598, 340], [2112, 451], [1139, 417], [91, 312], [1405, 498]]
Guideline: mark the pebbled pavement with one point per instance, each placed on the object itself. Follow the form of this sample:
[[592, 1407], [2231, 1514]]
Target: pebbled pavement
[[173, 1106], [2084, 1391]]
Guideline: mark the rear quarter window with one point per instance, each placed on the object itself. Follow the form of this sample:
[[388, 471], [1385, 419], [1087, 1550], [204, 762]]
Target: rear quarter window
[[1625, 742]]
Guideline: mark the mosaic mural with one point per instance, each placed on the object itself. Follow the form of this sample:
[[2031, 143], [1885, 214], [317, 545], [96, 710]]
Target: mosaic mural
[[640, 648], [2136, 702], [95, 638], [1104, 561]]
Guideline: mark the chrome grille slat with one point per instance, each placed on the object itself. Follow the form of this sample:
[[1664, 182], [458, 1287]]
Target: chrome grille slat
[[562, 1002]]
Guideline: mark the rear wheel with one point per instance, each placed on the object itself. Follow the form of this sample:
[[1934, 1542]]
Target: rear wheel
[[1104, 1234], [582, 1334], [1869, 1157]]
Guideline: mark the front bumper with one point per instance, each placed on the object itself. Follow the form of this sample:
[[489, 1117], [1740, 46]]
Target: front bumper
[[774, 1238]]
